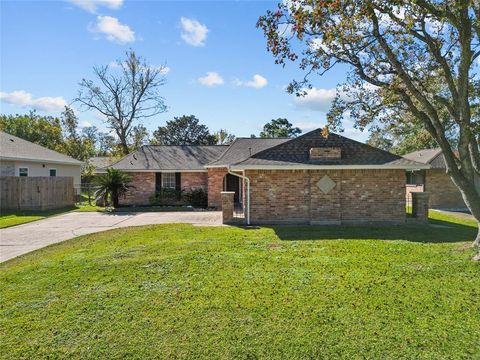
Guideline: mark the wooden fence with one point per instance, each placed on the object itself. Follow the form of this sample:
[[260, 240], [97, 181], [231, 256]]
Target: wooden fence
[[36, 193]]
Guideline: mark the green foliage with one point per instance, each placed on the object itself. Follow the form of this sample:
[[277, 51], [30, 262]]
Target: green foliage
[[11, 218], [170, 197], [181, 291], [278, 128], [407, 61], [197, 198], [42, 130], [60, 134], [183, 130], [405, 136], [113, 184], [223, 137], [167, 197], [139, 137]]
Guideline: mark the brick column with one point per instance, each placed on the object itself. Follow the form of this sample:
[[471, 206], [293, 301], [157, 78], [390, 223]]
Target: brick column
[[227, 206], [420, 206]]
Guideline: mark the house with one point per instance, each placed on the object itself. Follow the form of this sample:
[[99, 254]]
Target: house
[[442, 191], [100, 163], [20, 157], [313, 178]]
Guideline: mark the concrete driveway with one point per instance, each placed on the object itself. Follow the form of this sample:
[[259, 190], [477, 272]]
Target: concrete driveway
[[21, 239]]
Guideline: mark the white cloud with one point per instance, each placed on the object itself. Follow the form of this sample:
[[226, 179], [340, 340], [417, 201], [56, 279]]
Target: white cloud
[[93, 5], [83, 124], [257, 82], [211, 79], [307, 126], [24, 99], [165, 70], [113, 29], [316, 99], [193, 33]]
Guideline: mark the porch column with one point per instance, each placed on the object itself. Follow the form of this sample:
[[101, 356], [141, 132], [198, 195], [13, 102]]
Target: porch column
[[227, 206], [420, 206]]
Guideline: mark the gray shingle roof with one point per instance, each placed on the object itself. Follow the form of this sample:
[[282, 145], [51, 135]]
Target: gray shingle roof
[[15, 148], [242, 148], [296, 152], [170, 157], [423, 156], [102, 161]]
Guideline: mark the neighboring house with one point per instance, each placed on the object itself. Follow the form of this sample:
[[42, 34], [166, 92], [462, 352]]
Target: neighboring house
[[309, 179], [100, 163], [443, 193], [20, 157]]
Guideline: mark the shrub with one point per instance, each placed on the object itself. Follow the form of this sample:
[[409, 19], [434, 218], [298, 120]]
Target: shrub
[[167, 197], [196, 198]]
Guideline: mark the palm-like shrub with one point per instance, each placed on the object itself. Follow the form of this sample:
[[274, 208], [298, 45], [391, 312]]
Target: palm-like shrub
[[113, 184]]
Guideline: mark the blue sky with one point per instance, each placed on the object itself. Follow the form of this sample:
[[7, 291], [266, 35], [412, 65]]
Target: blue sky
[[219, 69]]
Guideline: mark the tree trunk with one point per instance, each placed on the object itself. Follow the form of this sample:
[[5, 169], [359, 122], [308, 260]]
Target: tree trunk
[[124, 147], [476, 243], [115, 201]]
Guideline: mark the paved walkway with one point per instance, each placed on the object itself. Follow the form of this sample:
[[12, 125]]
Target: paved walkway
[[21, 239]]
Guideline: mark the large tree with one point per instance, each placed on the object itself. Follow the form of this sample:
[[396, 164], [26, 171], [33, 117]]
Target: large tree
[[223, 137], [124, 94], [405, 136], [280, 127], [42, 130], [417, 57], [183, 130], [75, 144]]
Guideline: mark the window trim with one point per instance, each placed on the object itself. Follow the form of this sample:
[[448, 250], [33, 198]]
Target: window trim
[[49, 173], [23, 167], [164, 177]]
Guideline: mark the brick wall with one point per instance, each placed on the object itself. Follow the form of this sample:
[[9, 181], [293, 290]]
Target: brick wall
[[194, 180], [442, 190], [358, 196], [277, 195], [215, 186], [144, 188], [373, 195]]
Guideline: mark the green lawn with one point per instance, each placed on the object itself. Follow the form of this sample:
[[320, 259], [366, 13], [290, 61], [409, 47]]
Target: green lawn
[[178, 291], [12, 218]]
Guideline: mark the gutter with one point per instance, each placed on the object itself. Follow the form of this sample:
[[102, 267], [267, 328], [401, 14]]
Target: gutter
[[248, 190], [329, 167], [65, 162]]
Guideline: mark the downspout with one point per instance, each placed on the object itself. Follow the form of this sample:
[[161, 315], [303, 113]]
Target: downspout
[[248, 191]]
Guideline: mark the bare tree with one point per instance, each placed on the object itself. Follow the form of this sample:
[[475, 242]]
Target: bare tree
[[124, 94]]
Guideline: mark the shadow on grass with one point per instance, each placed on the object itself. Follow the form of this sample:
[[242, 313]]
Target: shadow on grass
[[436, 231]]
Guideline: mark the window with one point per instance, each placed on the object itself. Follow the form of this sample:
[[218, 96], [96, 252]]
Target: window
[[415, 178], [23, 171], [53, 172], [168, 180]]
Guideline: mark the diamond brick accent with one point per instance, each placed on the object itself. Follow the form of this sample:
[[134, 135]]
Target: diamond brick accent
[[326, 184]]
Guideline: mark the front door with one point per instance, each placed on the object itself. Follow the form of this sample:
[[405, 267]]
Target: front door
[[232, 183]]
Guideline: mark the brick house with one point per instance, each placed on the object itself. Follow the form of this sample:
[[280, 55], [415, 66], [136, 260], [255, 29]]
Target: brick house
[[442, 191], [309, 179]]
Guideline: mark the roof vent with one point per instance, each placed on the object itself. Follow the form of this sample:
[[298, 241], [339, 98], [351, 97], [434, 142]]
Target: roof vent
[[325, 153]]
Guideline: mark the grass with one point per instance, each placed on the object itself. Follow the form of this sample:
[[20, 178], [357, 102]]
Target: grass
[[12, 218], [178, 291]]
